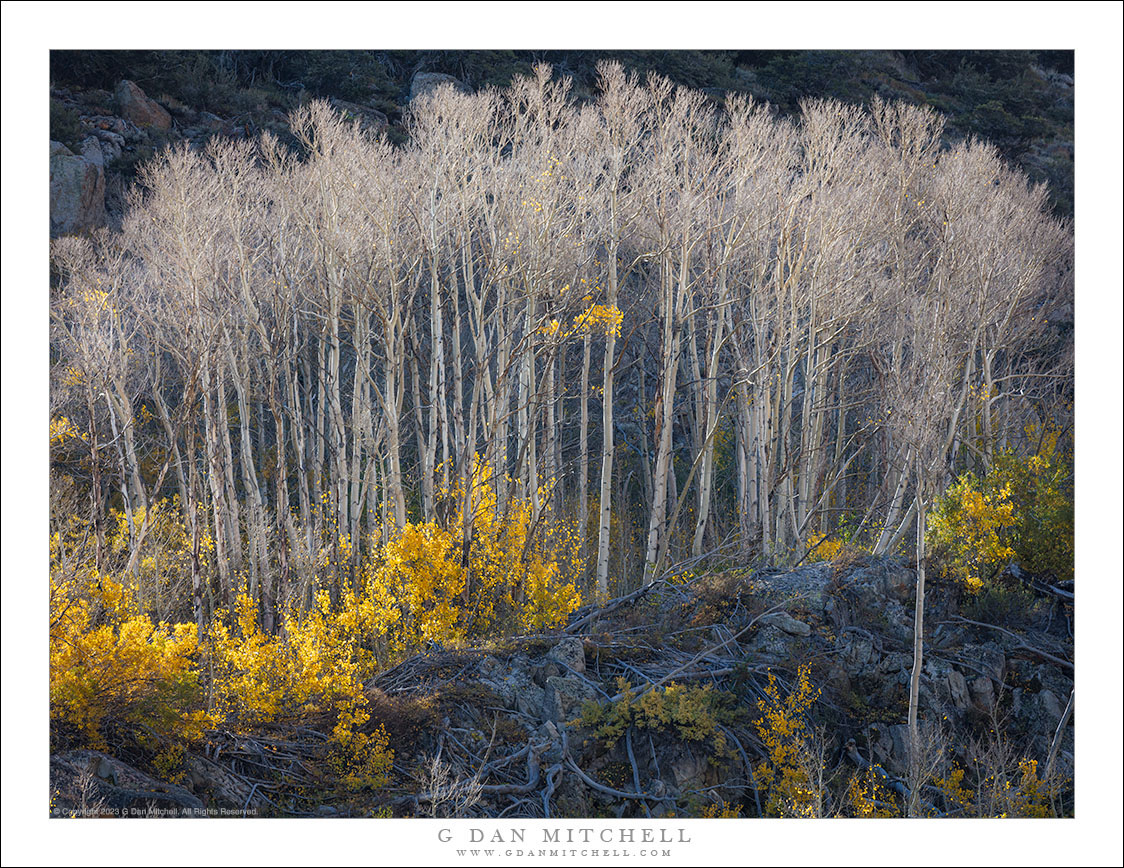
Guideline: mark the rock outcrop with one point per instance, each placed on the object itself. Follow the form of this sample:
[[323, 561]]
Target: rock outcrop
[[77, 188], [425, 82], [136, 106]]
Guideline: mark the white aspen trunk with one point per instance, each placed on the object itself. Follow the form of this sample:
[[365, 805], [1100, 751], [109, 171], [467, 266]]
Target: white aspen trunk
[[124, 407], [361, 421], [528, 412], [583, 448], [282, 521], [500, 408], [804, 472], [425, 454], [337, 459], [459, 434], [710, 420], [550, 434], [657, 530], [604, 489], [214, 479], [318, 441], [300, 454], [893, 516], [839, 494], [234, 524], [604, 502], [747, 465], [255, 524], [173, 444], [129, 523], [393, 396], [193, 506], [95, 481], [915, 781], [438, 391], [986, 400]]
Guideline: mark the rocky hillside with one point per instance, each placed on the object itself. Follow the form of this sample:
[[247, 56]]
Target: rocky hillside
[[732, 694]]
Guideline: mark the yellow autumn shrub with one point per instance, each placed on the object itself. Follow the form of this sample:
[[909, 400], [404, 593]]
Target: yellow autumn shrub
[[822, 547], [257, 678], [424, 586], [312, 667], [420, 582], [1021, 510], [109, 663], [968, 531], [787, 772]]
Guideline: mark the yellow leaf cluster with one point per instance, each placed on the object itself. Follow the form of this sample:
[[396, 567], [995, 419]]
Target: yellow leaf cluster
[[821, 548], [783, 732], [721, 811], [601, 319], [869, 798]]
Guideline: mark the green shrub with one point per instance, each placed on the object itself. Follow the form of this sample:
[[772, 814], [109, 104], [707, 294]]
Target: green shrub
[[64, 124]]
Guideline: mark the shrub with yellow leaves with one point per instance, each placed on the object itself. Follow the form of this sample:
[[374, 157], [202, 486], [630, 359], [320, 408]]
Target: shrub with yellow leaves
[[424, 586], [111, 664], [311, 668], [822, 547], [968, 531], [788, 773], [419, 582]]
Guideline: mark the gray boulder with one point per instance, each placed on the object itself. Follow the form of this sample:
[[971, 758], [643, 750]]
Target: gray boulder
[[425, 82], [371, 120], [570, 652], [786, 623], [77, 188], [91, 784], [564, 698]]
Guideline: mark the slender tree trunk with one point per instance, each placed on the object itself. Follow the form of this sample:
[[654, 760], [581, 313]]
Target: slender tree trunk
[[915, 746]]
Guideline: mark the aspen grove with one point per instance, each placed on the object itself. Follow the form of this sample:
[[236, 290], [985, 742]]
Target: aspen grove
[[555, 347]]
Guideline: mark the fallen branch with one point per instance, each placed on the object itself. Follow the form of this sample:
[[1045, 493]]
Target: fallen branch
[[1022, 643], [610, 606]]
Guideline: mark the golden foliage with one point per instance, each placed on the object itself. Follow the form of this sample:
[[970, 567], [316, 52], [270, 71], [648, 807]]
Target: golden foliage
[[968, 530], [721, 811], [787, 771], [602, 319], [498, 569], [110, 662], [822, 547], [869, 798]]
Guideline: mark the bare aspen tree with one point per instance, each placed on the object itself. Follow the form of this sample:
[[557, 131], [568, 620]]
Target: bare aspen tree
[[676, 192], [611, 135]]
